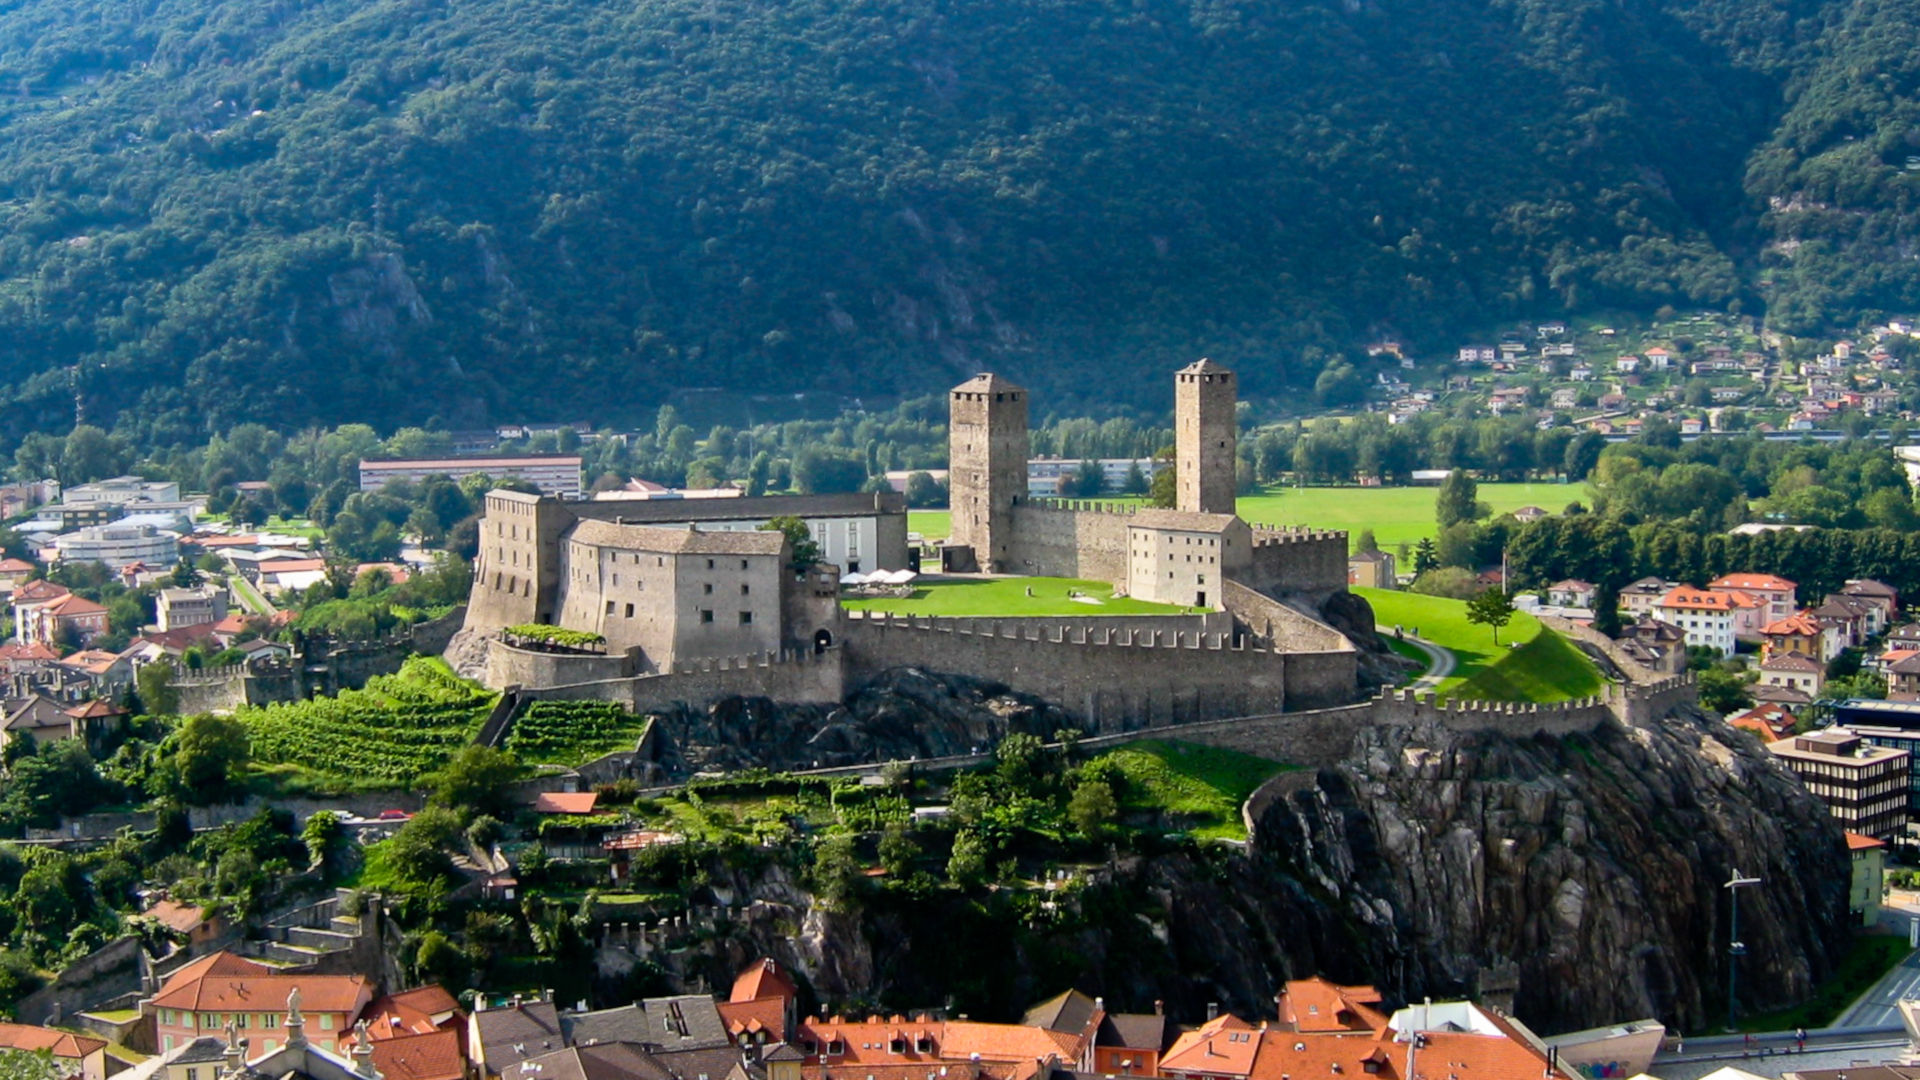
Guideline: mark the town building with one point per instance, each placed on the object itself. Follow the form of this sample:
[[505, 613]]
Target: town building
[[61, 620], [1868, 883], [214, 991], [1705, 616], [558, 475], [1794, 670], [1770, 720], [123, 490], [1571, 593], [1865, 787], [118, 545], [1053, 477], [1640, 597], [1800, 634], [1371, 570], [74, 1057], [1776, 591], [177, 607]]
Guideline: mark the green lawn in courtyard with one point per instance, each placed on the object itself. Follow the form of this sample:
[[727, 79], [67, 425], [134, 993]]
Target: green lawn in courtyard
[[1203, 784], [1544, 668], [1395, 514], [1008, 596]]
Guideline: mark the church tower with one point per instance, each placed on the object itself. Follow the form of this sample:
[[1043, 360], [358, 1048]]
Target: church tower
[[1206, 432], [986, 465]]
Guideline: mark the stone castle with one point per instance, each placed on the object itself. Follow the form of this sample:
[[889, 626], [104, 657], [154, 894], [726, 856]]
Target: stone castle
[[695, 603]]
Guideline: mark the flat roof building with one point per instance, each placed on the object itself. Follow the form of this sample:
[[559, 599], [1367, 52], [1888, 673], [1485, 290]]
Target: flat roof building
[[553, 474], [1864, 786]]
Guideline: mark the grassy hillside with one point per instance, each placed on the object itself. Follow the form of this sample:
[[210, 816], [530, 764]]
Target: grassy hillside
[[1530, 662], [1013, 596], [412, 210], [1396, 514]]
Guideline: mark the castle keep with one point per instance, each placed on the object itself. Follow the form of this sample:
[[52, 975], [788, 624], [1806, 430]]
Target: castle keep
[[695, 609]]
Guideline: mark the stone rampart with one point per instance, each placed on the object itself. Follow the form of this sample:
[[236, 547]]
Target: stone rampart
[[1069, 539], [797, 677], [510, 665], [110, 971], [1634, 670], [1329, 677], [1312, 562], [1648, 702], [1110, 678]]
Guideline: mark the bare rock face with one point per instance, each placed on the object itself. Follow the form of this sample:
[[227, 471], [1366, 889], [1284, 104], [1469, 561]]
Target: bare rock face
[[1576, 881], [905, 714], [1579, 879]]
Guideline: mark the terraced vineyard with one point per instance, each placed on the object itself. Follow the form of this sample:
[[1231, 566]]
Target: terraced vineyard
[[572, 732], [397, 728]]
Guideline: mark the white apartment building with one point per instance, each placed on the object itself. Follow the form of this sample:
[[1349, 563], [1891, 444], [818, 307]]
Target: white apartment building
[[119, 546], [1706, 616]]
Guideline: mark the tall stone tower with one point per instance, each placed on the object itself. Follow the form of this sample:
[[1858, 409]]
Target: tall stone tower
[[1205, 436], [987, 465]]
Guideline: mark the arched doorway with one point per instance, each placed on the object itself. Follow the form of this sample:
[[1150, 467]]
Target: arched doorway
[[822, 641]]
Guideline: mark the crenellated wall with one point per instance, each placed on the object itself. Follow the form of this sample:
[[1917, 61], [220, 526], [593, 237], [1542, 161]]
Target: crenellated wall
[[1112, 678], [796, 677], [1063, 538], [1311, 562]]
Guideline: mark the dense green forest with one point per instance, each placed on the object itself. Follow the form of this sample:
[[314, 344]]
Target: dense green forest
[[321, 211]]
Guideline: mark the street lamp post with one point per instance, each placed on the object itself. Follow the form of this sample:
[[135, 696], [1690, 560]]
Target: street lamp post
[[1735, 947]]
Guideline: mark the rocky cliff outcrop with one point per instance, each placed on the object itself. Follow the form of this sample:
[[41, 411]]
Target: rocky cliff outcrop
[[1575, 879], [905, 714]]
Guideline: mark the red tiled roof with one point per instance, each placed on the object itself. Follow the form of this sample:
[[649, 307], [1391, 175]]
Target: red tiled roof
[[318, 993], [1700, 600], [1224, 1045], [1318, 1004], [1800, 624], [433, 1055], [763, 980], [177, 916], [220, 963], [73, 604], [1283, 1054], [235, 623], [14, 650], [15, 566], [1857, 842], [34, 591], [766, 1014], [96, 710], [60, 1044], [566, 802], [1766, 582]]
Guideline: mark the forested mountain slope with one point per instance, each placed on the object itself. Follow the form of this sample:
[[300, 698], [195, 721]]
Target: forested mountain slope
[[401, 210]]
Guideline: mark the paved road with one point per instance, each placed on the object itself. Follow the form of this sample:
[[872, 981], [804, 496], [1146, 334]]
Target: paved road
[[1440, 662], [1878, 1006]]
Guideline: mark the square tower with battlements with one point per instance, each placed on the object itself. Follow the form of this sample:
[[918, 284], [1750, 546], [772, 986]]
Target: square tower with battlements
[[1206, 434], [987, 465]]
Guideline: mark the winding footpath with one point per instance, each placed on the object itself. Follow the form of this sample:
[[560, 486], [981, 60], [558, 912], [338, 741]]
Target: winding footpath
[[1440, 663]]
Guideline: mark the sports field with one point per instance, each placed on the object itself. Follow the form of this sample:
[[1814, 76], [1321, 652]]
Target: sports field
[[1009, 597], [1544, 668], [1396, 514]]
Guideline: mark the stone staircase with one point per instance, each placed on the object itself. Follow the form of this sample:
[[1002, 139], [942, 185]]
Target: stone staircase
[[306, 936]]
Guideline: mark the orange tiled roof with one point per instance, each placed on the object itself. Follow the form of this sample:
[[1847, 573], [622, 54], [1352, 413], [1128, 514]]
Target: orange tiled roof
[[73, 604], [764, 1014], [34, 591], [1224, 1045], [60, 1044], [216, 993], [1283, 1054], [566, 802], [1799, 623], [1857, 842], [1766, 582], [1699, 600], [1319, 1004], [1456, 1055], [14, 650], [762, 980], [177, 916], [433, 1055], [220, 963]]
